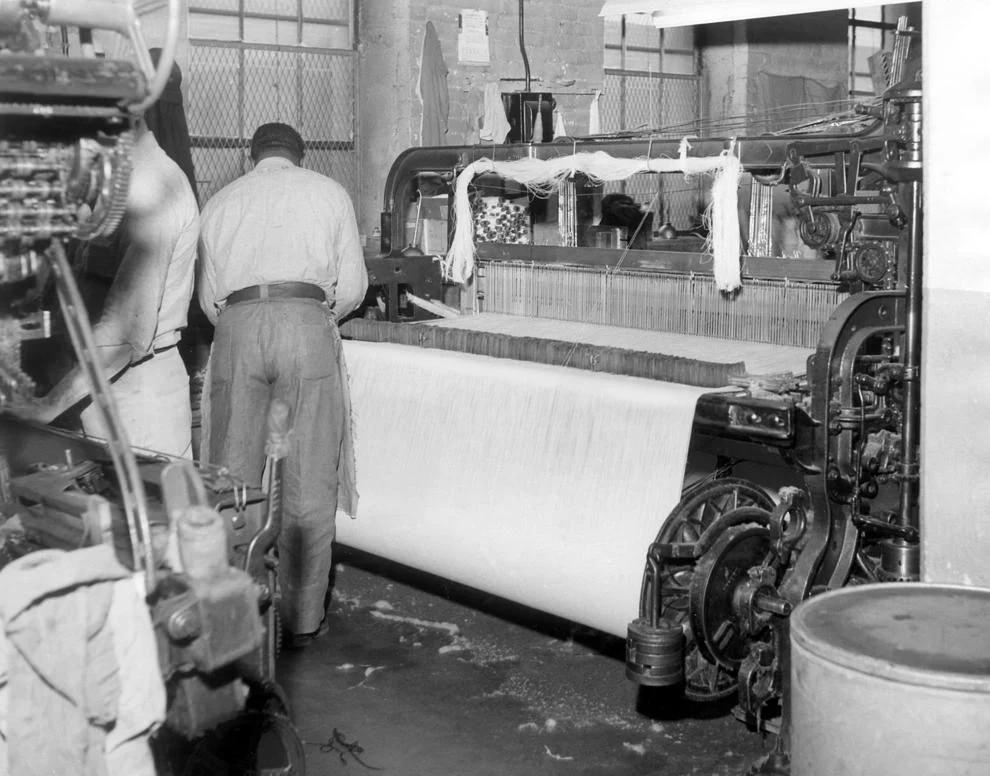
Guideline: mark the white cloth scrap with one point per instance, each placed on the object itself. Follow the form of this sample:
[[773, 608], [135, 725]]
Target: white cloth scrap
[[495, 125], [594, 115], [80, 685]]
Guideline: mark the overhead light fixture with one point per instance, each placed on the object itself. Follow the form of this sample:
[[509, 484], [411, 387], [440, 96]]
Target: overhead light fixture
[[681, 13]]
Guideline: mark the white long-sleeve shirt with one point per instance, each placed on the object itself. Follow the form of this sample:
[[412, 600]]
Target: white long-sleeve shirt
[[281, 223]]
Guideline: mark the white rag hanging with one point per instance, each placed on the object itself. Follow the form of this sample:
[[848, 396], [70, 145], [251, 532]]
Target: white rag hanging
[[496, 125], [594, 117], [538, 121]]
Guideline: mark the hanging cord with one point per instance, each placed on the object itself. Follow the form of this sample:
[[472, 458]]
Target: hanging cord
[[632, 238], [419, 210]]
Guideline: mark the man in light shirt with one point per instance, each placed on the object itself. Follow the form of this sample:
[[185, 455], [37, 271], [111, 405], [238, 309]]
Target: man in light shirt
[[281, 263], [152, 260]]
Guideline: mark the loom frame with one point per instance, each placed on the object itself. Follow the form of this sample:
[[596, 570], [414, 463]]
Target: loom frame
[[847, 429]]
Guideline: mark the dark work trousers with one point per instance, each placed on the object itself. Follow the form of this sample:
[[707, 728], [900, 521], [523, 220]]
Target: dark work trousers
[[286, 349]]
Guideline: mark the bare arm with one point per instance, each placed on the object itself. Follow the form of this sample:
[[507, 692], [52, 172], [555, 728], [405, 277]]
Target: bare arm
[[130, 314]]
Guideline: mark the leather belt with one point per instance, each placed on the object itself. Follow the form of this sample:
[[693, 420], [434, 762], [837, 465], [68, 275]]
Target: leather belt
[[277, 291], [153, 353]]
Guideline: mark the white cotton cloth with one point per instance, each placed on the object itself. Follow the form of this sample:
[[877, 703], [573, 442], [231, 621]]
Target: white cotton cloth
[[496, 125], [594, 115]]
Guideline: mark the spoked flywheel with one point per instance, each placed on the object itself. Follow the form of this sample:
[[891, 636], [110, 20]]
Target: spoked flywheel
[[722, 638], [705, 679]]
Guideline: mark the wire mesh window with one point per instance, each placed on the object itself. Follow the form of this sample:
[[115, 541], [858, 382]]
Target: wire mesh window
[[652, 87], [255, 61], [870, 33]]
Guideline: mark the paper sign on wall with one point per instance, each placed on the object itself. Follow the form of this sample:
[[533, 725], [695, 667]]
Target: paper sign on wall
[[472, 37]]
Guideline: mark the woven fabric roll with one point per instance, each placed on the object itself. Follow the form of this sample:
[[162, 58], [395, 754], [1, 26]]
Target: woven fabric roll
[[571, 354], [539, 484]]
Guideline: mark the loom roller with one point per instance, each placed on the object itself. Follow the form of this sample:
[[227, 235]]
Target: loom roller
[[799, 474]]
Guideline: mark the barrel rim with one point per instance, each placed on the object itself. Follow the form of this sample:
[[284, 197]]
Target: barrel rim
[[880, 667]]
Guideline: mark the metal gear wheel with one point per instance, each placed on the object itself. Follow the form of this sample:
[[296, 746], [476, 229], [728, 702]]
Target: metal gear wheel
[[704, 680]]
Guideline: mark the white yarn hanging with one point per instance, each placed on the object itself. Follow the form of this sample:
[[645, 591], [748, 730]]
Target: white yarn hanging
[[542, 177]]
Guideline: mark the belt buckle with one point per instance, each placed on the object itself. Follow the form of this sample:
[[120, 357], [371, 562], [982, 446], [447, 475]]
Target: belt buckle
[[263, 292]]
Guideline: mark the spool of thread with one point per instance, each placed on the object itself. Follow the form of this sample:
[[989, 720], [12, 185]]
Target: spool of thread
[[202, 539]]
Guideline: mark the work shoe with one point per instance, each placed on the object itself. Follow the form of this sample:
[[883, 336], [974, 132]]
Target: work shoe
[[292, 640]]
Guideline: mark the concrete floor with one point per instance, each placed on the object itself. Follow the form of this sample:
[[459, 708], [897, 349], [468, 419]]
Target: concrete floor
[[418, 677]]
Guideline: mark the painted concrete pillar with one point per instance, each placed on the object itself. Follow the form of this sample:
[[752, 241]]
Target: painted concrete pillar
[[386, 63], [724, 65], [955, 370]]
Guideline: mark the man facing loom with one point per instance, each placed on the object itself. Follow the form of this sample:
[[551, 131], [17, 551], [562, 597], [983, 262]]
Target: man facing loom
[[281, 263]]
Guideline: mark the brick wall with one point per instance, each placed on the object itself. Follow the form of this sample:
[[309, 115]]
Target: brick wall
[[736, 54], [563, 44]]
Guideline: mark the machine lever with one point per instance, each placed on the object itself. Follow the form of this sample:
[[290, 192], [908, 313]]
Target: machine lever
[[276, 448]]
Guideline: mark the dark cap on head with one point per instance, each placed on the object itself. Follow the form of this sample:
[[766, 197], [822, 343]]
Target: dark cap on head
[[276, 135]]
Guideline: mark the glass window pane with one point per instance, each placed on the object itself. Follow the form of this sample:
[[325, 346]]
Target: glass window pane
[[217, 5], [862, 84], [682, 64], [679, 38], [327, 9], [861, 60], [869, 38], [269, 31], [326, 36], [211, 27], [872, 13], [279, 7], [641, 34], [613, 31], [648, 61]]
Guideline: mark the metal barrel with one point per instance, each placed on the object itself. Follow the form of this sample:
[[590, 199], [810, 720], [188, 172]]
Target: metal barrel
[[891, 679]]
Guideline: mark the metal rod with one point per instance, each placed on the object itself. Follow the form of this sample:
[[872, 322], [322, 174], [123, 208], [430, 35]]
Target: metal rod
[[522, 42], [908, 514]]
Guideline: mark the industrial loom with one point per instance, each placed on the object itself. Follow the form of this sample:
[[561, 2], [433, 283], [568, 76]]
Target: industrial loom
[[674, 427], [197, 542]]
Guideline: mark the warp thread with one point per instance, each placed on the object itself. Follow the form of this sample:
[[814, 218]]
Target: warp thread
[[543, 176]]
